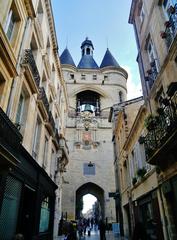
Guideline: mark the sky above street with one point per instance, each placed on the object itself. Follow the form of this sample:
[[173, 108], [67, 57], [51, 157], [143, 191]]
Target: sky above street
[[105, 22]]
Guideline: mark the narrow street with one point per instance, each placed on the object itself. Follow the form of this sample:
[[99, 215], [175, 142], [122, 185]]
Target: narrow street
[[95, 235]]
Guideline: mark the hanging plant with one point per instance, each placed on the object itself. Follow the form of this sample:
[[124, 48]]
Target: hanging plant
[[167, 24], [134, 180], [163, 34], [160, 111], [141, 172], [171, 9]]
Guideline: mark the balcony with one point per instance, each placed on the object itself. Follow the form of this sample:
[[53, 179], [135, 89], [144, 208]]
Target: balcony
[[10, 140], [161, 139], [43, 103], [50, 124], [31, 71], [170, 26]]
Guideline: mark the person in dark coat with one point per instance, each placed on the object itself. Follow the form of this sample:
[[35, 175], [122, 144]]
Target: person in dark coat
[[102, 228], [139, 232]]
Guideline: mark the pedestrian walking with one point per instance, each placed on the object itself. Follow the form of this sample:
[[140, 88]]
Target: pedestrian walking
[[102, 228]]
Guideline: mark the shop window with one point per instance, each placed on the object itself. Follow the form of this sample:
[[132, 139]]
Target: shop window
[[10, 208], [12, 23], [36, 140], [45, 216]]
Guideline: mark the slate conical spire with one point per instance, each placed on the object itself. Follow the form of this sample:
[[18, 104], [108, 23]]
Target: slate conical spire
[[66, 58], [109, 60]]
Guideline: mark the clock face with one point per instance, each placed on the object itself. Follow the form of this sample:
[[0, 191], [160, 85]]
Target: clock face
[[87, 136]]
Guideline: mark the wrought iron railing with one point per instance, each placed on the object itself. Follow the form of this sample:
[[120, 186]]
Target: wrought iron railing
[[162, 128], [9, 134], [28, 58], [51, 121], [152, 74], [171, 26], [42, 96]]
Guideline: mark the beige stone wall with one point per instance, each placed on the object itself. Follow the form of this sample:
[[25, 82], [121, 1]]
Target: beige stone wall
[[101, 154]]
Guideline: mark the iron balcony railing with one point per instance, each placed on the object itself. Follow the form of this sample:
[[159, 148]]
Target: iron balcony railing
[[9, 134], [28, 58], [171, 26], [42, 96], [51, 121], [163, 126]]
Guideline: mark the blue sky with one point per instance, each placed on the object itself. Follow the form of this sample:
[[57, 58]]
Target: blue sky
[[105, 22]]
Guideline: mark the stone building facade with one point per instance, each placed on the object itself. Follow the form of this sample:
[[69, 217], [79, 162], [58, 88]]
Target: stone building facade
[[155, 24], [33, 107], [150, 194], [92, 90]]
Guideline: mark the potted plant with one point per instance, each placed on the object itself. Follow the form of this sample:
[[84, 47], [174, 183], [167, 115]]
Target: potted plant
[[160, 111], [151, 122], [171, 9], [167, 24], [141, 172], [149, 71], [163, 34], [134, 180], [141, 140]]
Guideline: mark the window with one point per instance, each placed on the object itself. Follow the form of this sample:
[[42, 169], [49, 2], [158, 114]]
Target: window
[[45, 215], [153, 60], [89, 169], [11, 25], [72, 76], [20, 110], [40, 12], [36, 140], [120, 97], [45, 152], [142, 14], [53, 166], [94, 77], [88, 51], [105, 77], [34, 47], [83, 77], [2, 84]]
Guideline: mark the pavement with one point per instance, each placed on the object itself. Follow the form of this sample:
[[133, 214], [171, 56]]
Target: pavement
[[96, 236]]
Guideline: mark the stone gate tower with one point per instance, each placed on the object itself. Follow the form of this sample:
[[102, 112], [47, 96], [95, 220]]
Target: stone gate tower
[[92, 90]]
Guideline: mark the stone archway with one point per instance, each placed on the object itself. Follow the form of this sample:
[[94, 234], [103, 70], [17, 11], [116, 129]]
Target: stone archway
[[94, 189]]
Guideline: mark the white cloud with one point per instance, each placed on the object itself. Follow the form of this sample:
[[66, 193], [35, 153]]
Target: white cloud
[[133, 88]]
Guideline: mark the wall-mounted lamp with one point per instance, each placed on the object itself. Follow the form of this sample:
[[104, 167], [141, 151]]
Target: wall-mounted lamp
[[90, 164]]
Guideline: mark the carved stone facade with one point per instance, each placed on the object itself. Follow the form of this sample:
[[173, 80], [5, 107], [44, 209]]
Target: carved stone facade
[[92, 90]]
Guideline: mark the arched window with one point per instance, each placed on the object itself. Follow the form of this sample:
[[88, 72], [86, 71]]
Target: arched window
[[88, 51], [120, 97]]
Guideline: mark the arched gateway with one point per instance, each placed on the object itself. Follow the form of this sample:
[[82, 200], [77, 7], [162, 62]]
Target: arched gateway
[[93, 189], [91, 90]]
